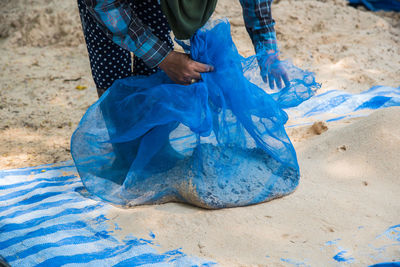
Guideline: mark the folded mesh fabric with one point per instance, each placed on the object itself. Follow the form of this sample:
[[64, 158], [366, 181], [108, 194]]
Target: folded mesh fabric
[[217, 143]]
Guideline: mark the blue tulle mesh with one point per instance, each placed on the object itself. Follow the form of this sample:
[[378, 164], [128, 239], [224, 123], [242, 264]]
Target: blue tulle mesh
[[217, 143]]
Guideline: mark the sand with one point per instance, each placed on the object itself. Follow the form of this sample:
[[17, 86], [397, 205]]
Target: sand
[[350, 173]]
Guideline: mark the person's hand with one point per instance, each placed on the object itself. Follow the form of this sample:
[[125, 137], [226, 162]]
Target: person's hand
[[181, 69], [273, 71]]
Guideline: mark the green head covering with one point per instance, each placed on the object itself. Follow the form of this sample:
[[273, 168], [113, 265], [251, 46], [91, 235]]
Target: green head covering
[[185, 17]]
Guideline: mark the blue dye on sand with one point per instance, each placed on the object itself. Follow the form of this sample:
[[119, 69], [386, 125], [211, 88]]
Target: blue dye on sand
[[392, 233], [152, 235], [341, 257], [332, 242], [117, 227], [294, 263]]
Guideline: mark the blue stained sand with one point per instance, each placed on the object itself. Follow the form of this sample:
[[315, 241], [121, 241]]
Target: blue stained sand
[[217, 143], [341, 257], [100, 219], [152, 235], [293, 262], [392, 233], [117, 227], [332, 242]]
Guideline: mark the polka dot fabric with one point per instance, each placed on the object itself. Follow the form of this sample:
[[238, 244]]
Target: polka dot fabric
[[109, 61]]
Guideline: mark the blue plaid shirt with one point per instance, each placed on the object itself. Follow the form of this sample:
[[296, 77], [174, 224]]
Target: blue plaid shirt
[[123, 26]]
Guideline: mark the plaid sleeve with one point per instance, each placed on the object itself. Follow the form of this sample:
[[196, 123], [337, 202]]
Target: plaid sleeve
[[259, 24], [123, 26]]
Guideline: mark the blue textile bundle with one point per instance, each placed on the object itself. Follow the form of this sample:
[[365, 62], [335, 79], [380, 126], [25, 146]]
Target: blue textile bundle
[[376, 5], [216, 143]]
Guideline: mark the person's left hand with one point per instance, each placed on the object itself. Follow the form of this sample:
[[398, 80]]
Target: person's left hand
[[273, 71]]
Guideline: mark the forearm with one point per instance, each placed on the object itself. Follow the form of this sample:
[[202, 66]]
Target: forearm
[[260, 24], [123, 26]]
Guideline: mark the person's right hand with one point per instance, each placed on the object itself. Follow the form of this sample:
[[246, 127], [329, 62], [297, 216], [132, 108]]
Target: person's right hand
[[181, 69], [272, 69]]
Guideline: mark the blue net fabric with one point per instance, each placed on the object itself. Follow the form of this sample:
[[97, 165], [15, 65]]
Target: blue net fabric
[[216, 143]]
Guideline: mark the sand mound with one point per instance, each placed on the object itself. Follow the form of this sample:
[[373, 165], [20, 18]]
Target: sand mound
[[340, 191]]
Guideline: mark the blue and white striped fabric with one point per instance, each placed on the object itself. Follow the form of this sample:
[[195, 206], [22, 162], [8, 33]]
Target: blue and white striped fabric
[[45, 221], [337, 105]]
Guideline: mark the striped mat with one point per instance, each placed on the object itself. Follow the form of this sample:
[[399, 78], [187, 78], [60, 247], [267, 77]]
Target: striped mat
[[46, 221], [337, 105]]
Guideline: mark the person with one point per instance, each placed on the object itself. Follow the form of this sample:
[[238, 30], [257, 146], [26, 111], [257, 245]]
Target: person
[[113, 29]]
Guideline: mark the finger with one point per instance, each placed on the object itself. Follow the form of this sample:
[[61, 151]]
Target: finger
[[186, 80], [285, 78], [200, 67], [263, 76], [195, 75], [278, 81], [271, 81]]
